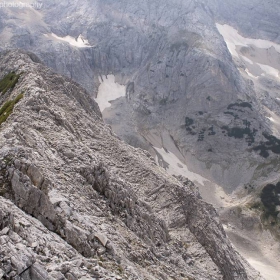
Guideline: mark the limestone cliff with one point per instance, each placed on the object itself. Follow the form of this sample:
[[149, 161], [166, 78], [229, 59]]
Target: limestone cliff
[[78, 203]]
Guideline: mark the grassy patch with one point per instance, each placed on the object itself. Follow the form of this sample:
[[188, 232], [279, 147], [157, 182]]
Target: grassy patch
[[8, 107], [8, 82], [256, 205], [5, 184]]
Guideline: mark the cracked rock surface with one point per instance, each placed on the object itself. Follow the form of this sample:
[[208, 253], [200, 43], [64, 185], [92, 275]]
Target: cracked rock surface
[[78, 203]]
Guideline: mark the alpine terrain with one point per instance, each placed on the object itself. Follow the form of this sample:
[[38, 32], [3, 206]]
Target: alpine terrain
[[167, 113]]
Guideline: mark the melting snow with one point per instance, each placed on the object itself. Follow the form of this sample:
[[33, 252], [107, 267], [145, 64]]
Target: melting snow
[[269, 70], [233, 39], [271, 119], [176, 167], [267, 271], [250, 74], [108, 91], [247, 59], [79, 42]]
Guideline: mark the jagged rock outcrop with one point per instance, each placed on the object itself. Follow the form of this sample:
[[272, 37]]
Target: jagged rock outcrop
[[176, 66], [78, 203]]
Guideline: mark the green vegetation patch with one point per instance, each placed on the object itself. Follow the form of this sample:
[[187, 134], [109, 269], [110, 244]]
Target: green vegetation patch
[[8, 82], [272, 144], [201, 135], [232, 114], [189, 121], [240, 104], [270, 198], [5, 184], [241, 132], [8, 108], [211, 131]]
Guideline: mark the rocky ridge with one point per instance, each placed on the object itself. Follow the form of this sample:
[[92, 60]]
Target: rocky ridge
[[175, 65], [78, 203]]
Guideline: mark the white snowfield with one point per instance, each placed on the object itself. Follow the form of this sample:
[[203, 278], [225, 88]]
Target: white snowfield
[[234, 40], [108, 91], [176, 167], [269, 70], [79, 42], [169, 156], [267, 271]]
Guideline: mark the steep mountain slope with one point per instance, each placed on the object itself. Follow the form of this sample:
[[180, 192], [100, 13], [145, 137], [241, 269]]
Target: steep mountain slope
[[181, 80], [255, 19], [78, 203], [197, 86]]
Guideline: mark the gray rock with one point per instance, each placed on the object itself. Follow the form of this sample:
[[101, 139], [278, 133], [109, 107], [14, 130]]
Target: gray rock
[[70, 276], [4, 231], [111, 188], [57, 275], [102, 238]]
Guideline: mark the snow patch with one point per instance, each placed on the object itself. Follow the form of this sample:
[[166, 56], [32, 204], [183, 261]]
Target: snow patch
[[247, 59], [271, 119], [269, 70], [108, 91], [267, 271], [250, 74], [177, 167], [233, 39], [79, 42], [275, 122]]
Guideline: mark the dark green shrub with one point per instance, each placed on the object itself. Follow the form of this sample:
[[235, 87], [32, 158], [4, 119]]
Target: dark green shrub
[[232, 114], [201, 135], [212, 132], [163, 101], [241, 104], [272, 144], [189, 121], [270, 199], [240, 132], [8, 82]]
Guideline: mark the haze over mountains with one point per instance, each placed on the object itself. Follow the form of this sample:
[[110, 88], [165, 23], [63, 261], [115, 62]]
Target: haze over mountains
[[194, 83]]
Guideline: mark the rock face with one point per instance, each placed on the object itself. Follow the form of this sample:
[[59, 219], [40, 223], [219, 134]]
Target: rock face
[[181, 79], [78, 203]]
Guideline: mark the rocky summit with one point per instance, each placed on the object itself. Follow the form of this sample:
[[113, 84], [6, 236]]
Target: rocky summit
[[78, 203]]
